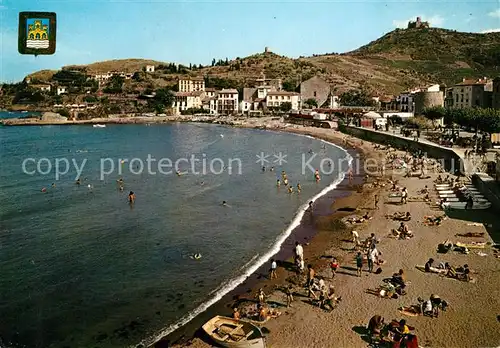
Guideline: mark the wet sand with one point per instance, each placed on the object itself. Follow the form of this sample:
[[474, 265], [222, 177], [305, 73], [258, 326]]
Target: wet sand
[[471, 319]]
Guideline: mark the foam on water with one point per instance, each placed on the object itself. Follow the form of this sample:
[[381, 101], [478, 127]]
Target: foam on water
[[252, 265]]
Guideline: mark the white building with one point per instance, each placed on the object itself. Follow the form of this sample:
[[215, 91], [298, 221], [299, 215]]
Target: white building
[[192, 85], [210, 104], [334, 102], [227, 102], [406, 100], [42, 88], [61, 90], [275, 99], [209, 92], [245, 106], [150, 68], [186, 100]]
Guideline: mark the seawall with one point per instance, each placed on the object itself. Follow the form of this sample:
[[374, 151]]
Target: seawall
[[450, 159]]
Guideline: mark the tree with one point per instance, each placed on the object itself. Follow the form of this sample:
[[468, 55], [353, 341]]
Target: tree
[[90, 99], [213, 62], [164, 97], [64, 112], [434, 113], [311, 102], [356, 98], [289, 86], [286, 106]]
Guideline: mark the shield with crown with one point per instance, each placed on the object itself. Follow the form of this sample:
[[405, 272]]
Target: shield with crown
[[37, 33]]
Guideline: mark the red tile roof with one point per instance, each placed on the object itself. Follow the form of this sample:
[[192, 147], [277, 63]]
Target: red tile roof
[[282, 93], [471, 82]]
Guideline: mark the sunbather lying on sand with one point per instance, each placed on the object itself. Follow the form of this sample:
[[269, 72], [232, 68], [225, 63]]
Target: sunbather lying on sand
[[471, 234], [402, 232], [432, 220], [400, 216], [358, 220]]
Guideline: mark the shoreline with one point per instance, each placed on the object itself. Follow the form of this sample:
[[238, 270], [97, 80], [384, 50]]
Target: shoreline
[[313, 234]]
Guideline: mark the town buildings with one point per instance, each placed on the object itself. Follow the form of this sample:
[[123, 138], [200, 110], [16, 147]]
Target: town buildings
[[192, 84], [417, 99], [227, 102], [471, 93], [277, 99], [150, 68]]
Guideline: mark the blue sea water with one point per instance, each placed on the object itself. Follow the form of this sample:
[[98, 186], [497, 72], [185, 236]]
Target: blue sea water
[[80, 267]]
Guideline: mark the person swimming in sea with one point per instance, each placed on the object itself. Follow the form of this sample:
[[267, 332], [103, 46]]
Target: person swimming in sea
[[122, 188], [263, 168], [278, 182], [290, 189], [272, 169], [224, 203], [316, 175], [285, 181], [78, 182], [196, 256], [131, 197], [53, 185], [298, 187]]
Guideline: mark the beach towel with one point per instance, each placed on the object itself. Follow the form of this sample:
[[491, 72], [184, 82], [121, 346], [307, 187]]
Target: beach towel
[[472, 245]]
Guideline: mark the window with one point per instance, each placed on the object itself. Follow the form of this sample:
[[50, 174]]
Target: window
[[462, 98]]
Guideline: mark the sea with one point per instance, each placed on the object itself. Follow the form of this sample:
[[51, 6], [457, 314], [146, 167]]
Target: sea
[[81, 267]]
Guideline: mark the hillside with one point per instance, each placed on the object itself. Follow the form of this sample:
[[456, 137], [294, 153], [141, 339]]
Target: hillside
[[399, 60]]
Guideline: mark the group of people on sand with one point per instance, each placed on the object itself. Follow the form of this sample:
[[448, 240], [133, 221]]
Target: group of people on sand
[[460, 273]]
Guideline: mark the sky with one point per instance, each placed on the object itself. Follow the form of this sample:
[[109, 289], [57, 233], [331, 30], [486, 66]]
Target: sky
[[195, 32]]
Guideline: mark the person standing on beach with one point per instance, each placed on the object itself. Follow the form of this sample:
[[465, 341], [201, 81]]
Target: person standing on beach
[[299, 251], [359, 263], [274, 266], [289, 296], [376, 201], [372, 256], [350, 175], [236, 313], [404, 196], [355, 238], [334, 266], [310, 278]]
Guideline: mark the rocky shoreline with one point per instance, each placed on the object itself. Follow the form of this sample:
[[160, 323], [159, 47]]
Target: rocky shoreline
[[54, 119]]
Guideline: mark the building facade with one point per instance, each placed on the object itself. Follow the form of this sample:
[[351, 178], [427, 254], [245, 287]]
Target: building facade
[[227, 102], [472, 93], [315, 88], [193, 84], [186, 100], [150, 68], [425, 99], [276, 99], [61, 90]]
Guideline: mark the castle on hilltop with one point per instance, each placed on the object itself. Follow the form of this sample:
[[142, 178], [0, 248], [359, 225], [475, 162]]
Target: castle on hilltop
[[418, 24]]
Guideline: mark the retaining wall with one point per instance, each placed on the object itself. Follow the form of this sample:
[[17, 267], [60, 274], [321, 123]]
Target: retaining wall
[[488, 187], [451, 160]]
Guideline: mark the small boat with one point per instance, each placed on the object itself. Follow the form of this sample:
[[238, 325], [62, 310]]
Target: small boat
[[232, 333], [99, 126]]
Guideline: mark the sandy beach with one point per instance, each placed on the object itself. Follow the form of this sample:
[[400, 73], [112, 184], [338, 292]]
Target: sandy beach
[[470, 320]]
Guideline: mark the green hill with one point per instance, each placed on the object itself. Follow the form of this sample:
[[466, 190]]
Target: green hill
[[399, 60]]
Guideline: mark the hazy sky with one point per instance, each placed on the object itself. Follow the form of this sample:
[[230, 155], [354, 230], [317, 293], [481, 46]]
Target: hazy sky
[[196, 31]]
